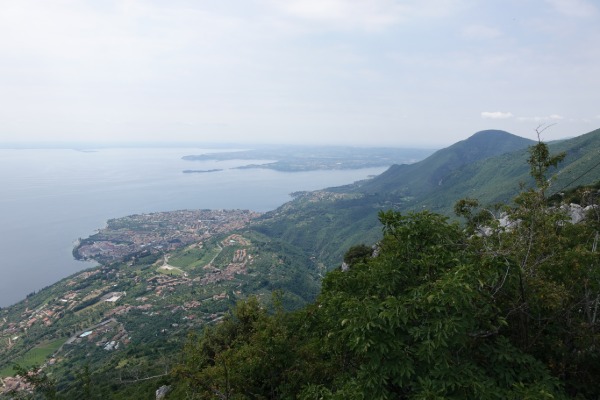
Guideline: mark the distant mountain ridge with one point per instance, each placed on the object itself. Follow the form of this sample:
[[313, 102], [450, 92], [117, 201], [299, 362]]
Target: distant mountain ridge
[[490, 165], [497, 179], [160, 296], [423, 176]]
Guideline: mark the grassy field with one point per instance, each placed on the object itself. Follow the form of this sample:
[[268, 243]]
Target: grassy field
[[35, 356], [169, 270], [193, 258], [186, 257]]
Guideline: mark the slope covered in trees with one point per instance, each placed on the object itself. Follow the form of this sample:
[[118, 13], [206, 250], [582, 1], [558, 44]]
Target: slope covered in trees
[[489, 165], [438, 312], [413, 180]]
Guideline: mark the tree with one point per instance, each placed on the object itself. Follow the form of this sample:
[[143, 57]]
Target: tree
[[358, 253], [419, 322], [487, 311], [250, 354], [551, 283], [84, 381], [37, 377]]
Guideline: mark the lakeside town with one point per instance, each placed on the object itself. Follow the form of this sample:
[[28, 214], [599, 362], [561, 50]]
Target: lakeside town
[[156, 232], [177, 269]]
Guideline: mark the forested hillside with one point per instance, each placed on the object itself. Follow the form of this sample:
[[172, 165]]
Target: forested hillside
[[490, 165], [484, 300], [438, 311], [414, 180]]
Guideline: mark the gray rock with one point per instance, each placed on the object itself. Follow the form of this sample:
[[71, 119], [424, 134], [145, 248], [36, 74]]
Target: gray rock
[[162, 391], [576, 212]]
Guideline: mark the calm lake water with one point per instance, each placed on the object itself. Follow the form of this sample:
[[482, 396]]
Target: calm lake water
[[52, 197]]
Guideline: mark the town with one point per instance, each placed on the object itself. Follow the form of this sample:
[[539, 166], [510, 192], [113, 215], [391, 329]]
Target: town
[[158, 232], [177, 269]]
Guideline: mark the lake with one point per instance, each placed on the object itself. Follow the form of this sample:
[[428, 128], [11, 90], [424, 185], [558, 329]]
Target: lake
[[52, 197]]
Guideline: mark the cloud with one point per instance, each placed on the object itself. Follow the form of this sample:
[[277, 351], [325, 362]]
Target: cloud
[[480, 32], [496, 115], [574, 8], [373, 15]]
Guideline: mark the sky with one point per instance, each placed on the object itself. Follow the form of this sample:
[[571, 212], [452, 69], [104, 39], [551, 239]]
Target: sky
[[347, 72]]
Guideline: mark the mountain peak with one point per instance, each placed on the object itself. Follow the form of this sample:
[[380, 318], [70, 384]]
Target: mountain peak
[[492, 132], [425, 175], [490, 142], [495, 136]]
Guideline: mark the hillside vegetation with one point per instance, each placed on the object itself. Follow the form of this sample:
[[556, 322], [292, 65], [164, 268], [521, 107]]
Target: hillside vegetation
[[489, 166], [414, 180], [437, 310]]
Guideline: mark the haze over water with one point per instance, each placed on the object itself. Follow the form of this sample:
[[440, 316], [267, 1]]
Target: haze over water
[[52, 197]]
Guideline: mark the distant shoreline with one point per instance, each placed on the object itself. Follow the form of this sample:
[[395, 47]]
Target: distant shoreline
[[200, 171]]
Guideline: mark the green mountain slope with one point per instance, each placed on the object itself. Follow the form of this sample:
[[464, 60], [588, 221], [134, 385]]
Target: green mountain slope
[[127, 319], [422, 177], [497, 179], [139, 307], [490, 166], [325, 224]]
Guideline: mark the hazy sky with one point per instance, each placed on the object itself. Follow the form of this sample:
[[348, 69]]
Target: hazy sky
[[361, 72]]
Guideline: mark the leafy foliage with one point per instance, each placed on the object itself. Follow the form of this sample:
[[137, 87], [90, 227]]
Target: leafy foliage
[[504, 306], [440, 313]]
